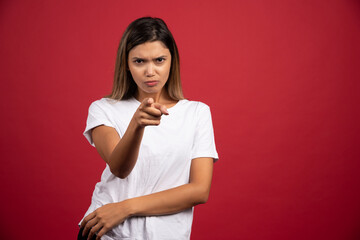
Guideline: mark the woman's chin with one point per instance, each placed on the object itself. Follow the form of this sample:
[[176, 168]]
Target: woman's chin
[[151, 90]]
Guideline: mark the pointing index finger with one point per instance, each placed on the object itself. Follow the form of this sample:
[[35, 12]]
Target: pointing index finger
[[162, 108], [146, 103]]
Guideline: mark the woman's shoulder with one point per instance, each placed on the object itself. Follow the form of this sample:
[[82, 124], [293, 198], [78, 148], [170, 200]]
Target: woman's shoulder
[[190, 108], [197, 105], [109, 102], [111, 106]]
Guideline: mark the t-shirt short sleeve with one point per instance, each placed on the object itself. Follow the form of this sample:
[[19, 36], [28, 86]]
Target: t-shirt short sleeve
[[204, 142], [97, 116]]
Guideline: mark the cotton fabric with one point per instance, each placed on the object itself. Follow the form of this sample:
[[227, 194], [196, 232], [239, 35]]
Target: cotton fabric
[[164, 162]]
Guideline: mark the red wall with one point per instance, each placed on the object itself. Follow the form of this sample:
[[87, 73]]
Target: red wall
[[281, 77]]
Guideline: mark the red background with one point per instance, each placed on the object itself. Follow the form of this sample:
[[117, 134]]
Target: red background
[[281, 77]]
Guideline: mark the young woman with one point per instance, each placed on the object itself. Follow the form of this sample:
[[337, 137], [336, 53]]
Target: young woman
[[158, 147]]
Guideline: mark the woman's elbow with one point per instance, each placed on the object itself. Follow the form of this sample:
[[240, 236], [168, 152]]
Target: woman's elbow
[[117, 173], [122, 175], [202, 195], [204, 198]]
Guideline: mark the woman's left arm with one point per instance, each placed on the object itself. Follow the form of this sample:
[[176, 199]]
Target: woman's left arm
[[179, 198], [165, 202]]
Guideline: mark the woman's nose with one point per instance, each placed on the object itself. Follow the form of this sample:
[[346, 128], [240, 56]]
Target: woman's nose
[[150, 71]]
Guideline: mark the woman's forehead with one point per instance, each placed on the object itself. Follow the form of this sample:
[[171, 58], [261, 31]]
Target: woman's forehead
[[149, 49]]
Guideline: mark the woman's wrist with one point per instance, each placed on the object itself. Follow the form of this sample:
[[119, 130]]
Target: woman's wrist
[[135, 125], [128, 207]]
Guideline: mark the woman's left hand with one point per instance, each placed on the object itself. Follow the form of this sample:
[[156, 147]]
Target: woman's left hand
[[104, 219]]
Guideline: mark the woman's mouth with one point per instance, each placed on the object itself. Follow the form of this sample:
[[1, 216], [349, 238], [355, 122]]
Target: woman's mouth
[[151, 83]]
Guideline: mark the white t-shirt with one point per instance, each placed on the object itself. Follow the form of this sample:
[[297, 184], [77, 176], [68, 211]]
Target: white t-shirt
[[164, 162]]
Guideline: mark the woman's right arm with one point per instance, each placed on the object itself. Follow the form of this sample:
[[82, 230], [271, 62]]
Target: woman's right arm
[[121, 153]]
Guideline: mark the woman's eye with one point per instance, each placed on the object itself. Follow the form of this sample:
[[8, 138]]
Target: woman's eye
[[160, 60], [139, 61]]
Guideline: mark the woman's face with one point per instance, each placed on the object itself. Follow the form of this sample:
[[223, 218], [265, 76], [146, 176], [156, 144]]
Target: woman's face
[[149, 64]]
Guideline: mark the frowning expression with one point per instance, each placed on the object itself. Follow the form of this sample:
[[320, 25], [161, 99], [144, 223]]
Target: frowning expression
[[149, 64]]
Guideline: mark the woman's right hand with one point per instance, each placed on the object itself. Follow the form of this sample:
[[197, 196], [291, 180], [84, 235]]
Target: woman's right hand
[[149, 113]]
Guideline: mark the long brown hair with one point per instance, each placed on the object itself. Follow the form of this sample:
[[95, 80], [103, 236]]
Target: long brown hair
[[146, 29]]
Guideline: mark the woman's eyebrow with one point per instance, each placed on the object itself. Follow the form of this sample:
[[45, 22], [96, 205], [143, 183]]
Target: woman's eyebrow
[[162, 56], [136, 58]]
